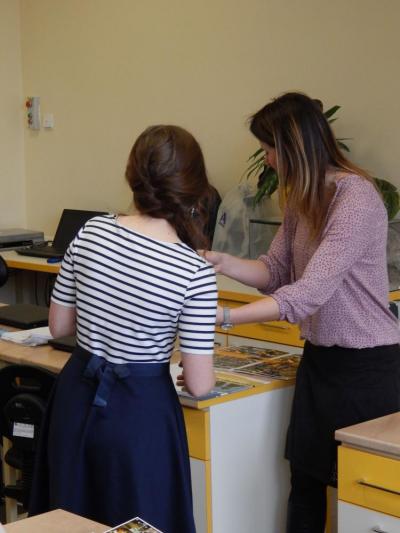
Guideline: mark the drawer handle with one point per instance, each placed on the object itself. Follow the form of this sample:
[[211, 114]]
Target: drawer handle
[[377, 529], [275, 326], [378, 487]]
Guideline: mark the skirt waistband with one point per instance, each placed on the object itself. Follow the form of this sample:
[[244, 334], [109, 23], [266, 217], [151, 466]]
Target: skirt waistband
[[106, 374], [134, 369]]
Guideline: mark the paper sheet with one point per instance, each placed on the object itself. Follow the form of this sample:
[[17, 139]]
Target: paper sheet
[[28, 337]]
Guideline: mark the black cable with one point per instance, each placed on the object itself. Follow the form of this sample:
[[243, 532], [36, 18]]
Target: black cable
[[49, 285], [36, 288], [46, 289]]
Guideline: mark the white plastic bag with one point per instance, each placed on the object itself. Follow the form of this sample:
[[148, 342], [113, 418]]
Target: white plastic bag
[[233, 221]]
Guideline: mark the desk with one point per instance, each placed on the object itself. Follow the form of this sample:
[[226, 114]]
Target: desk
[[24, 262], [240, 479], [369, 476], [43, 356], [29, 278], [58, 521]]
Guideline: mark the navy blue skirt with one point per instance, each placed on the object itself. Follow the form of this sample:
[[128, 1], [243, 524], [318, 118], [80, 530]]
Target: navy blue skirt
[[114, 446]]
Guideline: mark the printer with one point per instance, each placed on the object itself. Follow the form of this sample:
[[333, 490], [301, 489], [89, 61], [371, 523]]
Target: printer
[[17, 238]]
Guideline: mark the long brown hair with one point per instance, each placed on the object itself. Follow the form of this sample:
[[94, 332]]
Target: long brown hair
[[167, 175], [296, 127]]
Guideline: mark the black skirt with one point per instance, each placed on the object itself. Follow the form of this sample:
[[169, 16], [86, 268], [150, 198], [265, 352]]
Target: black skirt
[[338, 387], [114, 446]]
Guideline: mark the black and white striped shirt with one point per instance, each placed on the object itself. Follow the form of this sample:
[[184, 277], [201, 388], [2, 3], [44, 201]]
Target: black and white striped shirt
[[134, 294]]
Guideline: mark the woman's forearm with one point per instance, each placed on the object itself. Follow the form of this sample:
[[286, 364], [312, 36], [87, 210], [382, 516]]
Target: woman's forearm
[[263, 310], [251, 272]]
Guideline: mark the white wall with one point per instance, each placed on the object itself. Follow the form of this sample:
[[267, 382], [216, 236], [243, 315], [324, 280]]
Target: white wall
[[12, 175], [107, 69]]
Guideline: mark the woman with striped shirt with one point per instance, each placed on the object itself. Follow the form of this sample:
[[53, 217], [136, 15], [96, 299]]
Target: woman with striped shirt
[[129, 286]]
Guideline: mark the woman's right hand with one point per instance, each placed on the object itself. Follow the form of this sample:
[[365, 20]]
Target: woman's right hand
[[252, 272], [215, 258]]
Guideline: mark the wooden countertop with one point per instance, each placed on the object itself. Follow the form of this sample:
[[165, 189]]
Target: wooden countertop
[[54, 360], [25, 262], [44, 356], [58, 521], [381, 435]]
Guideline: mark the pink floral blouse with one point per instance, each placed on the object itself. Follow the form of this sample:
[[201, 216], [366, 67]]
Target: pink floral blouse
[[337, 289]]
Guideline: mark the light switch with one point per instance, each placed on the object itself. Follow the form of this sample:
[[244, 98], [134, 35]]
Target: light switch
[[48, 121]]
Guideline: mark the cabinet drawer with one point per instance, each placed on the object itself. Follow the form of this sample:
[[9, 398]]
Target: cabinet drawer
[[355, 519], [278, 331], [197, 424], [369, 480]]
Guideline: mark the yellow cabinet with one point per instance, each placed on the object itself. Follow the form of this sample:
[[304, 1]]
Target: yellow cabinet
[[197, 424], [369, 480], [369, 476], [280, 332]]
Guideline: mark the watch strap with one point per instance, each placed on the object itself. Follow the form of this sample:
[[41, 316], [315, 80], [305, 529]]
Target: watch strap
[[226, 318]]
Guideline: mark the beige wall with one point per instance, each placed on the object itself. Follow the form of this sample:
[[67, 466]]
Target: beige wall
[[12, 177], [108, 68]]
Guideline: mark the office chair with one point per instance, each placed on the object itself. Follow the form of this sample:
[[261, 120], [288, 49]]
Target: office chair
[[3, 272], [24, 392]]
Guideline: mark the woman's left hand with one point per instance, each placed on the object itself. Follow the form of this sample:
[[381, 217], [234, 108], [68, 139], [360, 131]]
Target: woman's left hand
[[180, 381]]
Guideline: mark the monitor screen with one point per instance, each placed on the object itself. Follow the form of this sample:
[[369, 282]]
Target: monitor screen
[[70, 223]]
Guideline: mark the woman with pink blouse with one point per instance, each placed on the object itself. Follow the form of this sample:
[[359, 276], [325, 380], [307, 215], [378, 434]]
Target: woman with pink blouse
[[325, 270]]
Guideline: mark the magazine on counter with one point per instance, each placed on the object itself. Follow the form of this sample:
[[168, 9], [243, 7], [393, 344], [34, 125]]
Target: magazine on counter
[[224, 385], [230, 362], [221, 388], [135, 525], [253, 351], [284, 368]]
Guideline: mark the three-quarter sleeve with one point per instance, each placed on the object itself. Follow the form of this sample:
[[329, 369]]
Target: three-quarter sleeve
[[345, 241], [197, 318]]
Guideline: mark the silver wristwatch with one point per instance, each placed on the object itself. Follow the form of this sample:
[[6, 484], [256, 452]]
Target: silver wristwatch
[[226, 322]]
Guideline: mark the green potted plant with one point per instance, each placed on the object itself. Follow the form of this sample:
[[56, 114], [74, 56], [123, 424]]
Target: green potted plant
[[268, 179]]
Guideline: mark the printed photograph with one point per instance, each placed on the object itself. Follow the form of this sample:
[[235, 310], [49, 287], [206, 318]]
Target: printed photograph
[[136, 525], [284, 368], [228, 362], [253, 350], [221, 388]]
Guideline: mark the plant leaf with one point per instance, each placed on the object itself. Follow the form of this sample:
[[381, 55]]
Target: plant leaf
[[256, 163], [331, 111], [256, 153], [268, 184], [342, 145], [254, 167], [390, 195]]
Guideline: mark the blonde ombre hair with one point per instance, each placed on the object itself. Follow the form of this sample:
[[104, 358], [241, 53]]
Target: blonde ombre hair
[[306, 149]]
